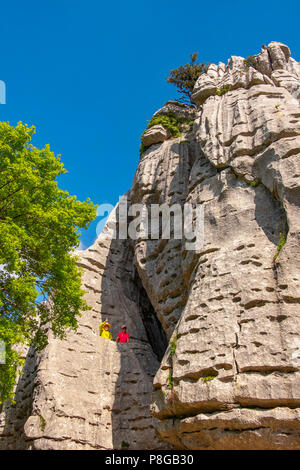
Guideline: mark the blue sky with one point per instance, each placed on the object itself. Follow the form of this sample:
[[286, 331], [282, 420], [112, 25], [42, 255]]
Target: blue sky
[[90, 74]]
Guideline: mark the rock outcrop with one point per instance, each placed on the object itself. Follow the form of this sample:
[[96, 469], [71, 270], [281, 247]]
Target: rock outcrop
[[230, 377], [87, 392], [155, 135]]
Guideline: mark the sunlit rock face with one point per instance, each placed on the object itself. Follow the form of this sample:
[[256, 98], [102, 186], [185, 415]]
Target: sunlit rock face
[[87, 392], [229, 378], [235, 372]]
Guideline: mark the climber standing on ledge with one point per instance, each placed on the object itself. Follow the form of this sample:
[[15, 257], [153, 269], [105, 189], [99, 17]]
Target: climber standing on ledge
[[123, 336], [104, 330]]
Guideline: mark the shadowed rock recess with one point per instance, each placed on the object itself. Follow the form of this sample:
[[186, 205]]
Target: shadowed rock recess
[[232, 311]]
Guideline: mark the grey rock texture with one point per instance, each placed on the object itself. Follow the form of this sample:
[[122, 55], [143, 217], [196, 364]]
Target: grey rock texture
[[238, 331], [231, 311], [13, 418], [86, 392], [188, 113], [155, 135]]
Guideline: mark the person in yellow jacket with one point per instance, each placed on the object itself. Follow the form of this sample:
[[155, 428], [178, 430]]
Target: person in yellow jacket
[[104, 330]]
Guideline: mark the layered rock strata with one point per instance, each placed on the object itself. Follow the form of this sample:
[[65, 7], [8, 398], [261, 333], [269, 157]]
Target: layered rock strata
[[86, 392], [235, 372], [229, 378]]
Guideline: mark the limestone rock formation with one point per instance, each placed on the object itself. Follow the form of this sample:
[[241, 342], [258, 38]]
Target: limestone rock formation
[[230, 376], [187, 113], [87, 392], [155, 135], [236, 380]]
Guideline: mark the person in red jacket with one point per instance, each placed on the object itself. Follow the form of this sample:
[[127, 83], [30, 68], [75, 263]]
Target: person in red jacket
[[123, 336]]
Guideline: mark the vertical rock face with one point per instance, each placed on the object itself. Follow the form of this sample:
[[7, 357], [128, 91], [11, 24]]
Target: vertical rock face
[[87, 392], [230, 377]]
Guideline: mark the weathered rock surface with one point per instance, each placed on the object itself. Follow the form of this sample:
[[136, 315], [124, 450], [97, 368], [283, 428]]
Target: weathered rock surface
[[188, 113], [232, 310], [155, 135], [238, 331], [87, 392]]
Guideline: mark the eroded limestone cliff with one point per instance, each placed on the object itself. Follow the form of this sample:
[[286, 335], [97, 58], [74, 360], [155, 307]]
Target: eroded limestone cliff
[[231, 379]]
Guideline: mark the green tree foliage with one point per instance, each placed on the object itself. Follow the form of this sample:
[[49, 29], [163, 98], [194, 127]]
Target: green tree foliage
[[185, 77], [38, 234]]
